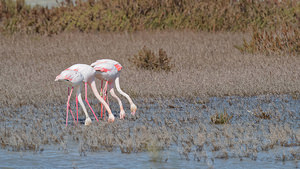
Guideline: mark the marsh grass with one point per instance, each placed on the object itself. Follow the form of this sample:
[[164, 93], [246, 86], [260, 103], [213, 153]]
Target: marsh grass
[[262, 114], [283, 41], [221, 118], [146, 59], [205, 65], [30, 128], [123, 15], [274, 25]]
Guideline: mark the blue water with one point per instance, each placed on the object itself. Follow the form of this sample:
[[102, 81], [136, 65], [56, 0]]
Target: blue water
[[52, 157]]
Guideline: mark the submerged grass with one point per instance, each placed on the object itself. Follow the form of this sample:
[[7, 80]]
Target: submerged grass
[[161, 128], [221, 118]]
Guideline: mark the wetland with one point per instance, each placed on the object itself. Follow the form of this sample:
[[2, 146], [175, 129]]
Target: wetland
[[254, 97]]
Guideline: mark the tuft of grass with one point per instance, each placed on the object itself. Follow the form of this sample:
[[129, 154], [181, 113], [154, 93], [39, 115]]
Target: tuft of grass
[[146, 59], [262, 114], [221, 118], [285, 41]]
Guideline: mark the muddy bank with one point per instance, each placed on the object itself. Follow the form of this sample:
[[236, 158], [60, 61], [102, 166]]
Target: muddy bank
[[161, 124]]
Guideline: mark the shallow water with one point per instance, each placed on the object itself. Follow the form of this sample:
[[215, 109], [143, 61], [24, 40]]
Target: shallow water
[[166, 133], [53, 157], [49, 3]]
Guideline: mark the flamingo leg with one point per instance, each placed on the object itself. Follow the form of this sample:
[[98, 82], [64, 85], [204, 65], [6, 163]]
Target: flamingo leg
[[77, 106], [88, 120], [68, 105], [105, 95], [113, 94], [102, 96], [72, 114], [133, 107], [111, 117], [86, 100]]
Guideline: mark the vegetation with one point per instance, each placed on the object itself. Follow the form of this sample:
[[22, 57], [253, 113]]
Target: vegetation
[[275, 24], [146, 59], [262, 114], [287, 40], [129, 15], [205, 65], [197, 65], [221, 118]]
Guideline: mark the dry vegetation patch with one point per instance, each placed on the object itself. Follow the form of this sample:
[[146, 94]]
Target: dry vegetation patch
[[146, 59], [221, 118], [283, 41], [130, 15]]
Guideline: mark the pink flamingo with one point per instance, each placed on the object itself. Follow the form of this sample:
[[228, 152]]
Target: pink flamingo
[[88, 77], [109, 70]]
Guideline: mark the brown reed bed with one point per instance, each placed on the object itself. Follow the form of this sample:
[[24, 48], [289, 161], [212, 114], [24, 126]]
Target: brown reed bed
[[130, 15], [284, 41]]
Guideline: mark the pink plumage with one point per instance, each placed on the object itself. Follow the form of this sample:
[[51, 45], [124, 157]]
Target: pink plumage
[[74, 78], [76, 75], [109, 70]]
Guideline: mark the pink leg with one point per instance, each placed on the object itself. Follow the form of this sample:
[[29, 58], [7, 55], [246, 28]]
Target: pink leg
[[72, 114], [102, 97], [86, 100], [68, 106], [105, 95], [77, 106]]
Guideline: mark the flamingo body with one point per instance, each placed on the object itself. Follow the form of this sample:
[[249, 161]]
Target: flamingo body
[[109, 70], [108, 61], [76, 74], [87, 71], [71, 77], [106, 71]]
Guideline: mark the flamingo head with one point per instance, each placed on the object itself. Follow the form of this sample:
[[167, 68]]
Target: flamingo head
[[133, 109]]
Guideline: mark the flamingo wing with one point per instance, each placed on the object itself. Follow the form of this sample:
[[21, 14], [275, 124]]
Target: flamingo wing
[[108, 61]]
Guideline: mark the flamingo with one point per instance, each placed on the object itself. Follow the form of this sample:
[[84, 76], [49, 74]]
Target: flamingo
[[87, 77], [109, 70], [74, 79]]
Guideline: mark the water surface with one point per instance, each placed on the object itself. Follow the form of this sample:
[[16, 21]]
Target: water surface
[[166, 133]]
